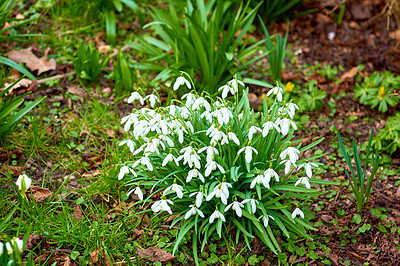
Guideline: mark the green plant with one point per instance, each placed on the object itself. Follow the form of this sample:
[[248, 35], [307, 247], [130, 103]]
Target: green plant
[[312, 99], [89, 63], [358, 177], [329, 72], [276, 52], [208, 42], [215, 164], [123, 75], [388, 138], [7, 107], [377, 90]]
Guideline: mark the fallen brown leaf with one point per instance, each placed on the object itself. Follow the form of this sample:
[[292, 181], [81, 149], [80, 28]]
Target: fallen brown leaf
[[255, 102], [94, 256], [155, 254], [40, 193], [350, 74], [16, 170], [32, 242], [77, 214], [32, 61]]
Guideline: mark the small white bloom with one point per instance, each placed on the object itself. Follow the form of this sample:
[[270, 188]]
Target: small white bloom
[[136, 191], [192, 211], [234, 85], [304, 181], [181, 81], [129, 143], [19, 243], [258, 180], [219, 192], [308, 168], [162, 205], [267, 126], [291, 107], [271, 173], [296, 212], [253, 203], [277, 91], [201, 102], [23, 179], [169, 158], [225, 89], [178, 189], [211, 166], [232, 136], [223, 115], [236, 206], [136, 96], [124, 170], [153, 99], [266, 219], [145, 161], [191, 98], [288, 164], [217, 214], [194, 173], [248, 150], [253, 130], [199, 197], [293, 154], [210, 152], [285, 124]]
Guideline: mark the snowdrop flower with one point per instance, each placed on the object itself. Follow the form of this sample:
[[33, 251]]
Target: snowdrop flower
[[291, 109], [252, 130], [219, 192], [225, 187], [271, 173], [23, 182], [210, 152], [225, 89], [178, 189], [199, 197], [125, 170], [234, 85], [218, 135], [232, 136], [308, 168], [248, 150], [19, 243], [190, 99], [277, 91], [296, 212], [293, 154], [194, 173], [285, 123], [201, 102], [304, 181], [211, 166], [266, 219], [153, 99], [128, 143], [145, 161], [170, 158], [128, 121], [137, 191], [236, 206], [288, 164], [162, 205], [190, 157], [253, 203], [192, 211], [223, 115], [267, 126], [181, 81], [217, 214], [136, 96], [260, 179]]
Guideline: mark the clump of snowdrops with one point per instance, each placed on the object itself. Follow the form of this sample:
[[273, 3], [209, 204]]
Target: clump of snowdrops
[[217, 164]]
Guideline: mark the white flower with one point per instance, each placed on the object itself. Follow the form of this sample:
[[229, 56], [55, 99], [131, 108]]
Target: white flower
[[252, 130], [253, 203], [201, 102], [129, 143], [192, 211], [285, 123], [170, 158], [217, 214], [181, 81], [136, 96], [190, 157], [191, 98], [291, 109], [211, 166], [194, 173], [162, 205], [277, 91], [178, 189], [248, 150], [266, 219], [144, 161], [296, 212], [267, 126], [223, 115], [15, 241], [234, 85], [308, 168], [136, 191], [225, 89], [219, 192], [258, 180], [271, 173], [287, 163], [153, 99], [304, 181], [124, 170], [23, 180], [210, 152], [293, 154], [236, 206], [232, 136], [199, 197]]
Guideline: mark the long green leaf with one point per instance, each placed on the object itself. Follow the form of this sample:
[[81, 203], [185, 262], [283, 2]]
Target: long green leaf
[[12, 64]]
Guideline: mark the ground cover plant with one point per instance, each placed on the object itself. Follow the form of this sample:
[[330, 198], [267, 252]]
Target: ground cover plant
[[76, 186]]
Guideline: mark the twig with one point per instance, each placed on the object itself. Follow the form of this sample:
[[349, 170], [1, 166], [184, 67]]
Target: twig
[[40, 81]]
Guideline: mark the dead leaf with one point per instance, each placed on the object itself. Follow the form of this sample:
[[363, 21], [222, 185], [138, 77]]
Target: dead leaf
[[110, 132], [73, 89], [24, 83], [349, 74], [40, 193], [32, 61], [286, 75], [255, 102], [94, 256], [33, 242], [103, 255], [395, 35], [318, 77], [77, 214], [155, 254], [16, 170]]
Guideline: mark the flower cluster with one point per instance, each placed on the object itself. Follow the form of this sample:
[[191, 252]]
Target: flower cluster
[[15, 243], [218, 162]]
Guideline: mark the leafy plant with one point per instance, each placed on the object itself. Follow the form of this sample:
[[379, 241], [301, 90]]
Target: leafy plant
[[276, 53], [89, 63], [329, 72], [209, 42], [123, 75], [377, 90], [388, 138], [311, 99], [358, 177], [217, 164], [7, 107]]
